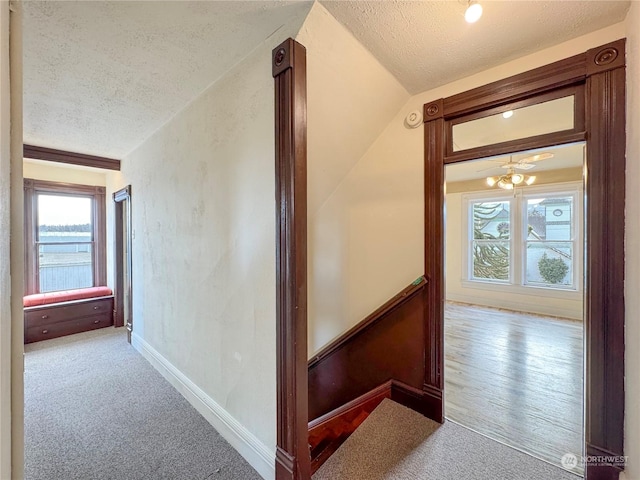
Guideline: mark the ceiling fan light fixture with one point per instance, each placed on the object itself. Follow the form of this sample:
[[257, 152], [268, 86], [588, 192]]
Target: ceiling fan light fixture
[[505, 183], [473, 12], [510, 180], [517, 178]]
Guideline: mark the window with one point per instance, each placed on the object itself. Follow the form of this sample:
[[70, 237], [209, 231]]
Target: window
[[64, 236], [527, 239], [491, 244], [555, 115]]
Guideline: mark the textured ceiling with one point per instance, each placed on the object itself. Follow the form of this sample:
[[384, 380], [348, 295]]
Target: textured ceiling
[[425, 44], [100, 77]]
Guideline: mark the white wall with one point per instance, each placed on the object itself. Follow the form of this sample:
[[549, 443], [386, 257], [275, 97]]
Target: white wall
[[5, 238], [59, 172], [17, 246], [351, 99], [632, 248], [203, 213], [367, 237]]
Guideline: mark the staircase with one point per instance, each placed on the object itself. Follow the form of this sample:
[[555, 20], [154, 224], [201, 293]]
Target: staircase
[[395, 442], [382, 357]]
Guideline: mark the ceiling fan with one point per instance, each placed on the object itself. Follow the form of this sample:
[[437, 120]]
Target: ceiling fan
[[522, 164], [509, 180]]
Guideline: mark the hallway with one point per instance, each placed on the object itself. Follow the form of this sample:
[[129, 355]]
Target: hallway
[[95, 409]]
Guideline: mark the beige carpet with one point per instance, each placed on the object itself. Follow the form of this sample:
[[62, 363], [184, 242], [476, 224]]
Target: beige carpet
[[95, 409], [397, 443]]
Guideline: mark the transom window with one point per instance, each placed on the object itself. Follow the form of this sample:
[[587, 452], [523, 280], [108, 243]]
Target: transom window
[[530, 238]]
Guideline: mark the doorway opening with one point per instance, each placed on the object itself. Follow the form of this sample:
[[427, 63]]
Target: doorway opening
[[123, 314], [514, 300]]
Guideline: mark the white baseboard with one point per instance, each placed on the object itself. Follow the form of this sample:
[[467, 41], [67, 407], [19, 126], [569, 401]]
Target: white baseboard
[[259, 456], [538, 308]]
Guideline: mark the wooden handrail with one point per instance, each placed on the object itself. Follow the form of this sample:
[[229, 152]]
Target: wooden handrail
[[395, 302]]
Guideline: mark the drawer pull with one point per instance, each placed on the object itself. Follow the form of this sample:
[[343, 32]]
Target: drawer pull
[[96, 321], [45, 317], [45, 331], [96, 308]]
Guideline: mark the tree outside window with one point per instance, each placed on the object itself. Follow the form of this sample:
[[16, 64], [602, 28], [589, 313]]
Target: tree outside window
[[539, 252]]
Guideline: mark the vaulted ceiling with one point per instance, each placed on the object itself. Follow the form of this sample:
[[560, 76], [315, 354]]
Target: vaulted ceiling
[[100, 77], [425, 44]]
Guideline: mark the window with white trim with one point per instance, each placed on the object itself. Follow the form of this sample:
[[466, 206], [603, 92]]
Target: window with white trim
[[530, 239]]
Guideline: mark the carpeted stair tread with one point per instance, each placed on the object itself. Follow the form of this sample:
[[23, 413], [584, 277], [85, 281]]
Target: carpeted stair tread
[[396, 443]]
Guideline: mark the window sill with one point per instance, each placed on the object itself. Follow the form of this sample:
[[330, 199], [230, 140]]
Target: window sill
[[566, 294]]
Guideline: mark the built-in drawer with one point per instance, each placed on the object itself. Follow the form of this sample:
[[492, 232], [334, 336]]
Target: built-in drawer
[[61, 312], [60, 329], [65, 318]]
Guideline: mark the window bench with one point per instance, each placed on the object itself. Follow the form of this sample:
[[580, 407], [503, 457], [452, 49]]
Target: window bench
[[55, 314]]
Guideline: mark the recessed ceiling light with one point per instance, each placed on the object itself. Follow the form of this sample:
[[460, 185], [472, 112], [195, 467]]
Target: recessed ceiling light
[[474, 12], [508, 114]]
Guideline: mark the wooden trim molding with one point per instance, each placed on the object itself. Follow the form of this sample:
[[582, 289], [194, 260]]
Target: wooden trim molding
[[328, 432], [122, 194], [605, 199], [602, 72], [30, 267], [120, 198], [576, 134], [72, 158], [549, 77], [434, 149], [293, 461], [100, 240]]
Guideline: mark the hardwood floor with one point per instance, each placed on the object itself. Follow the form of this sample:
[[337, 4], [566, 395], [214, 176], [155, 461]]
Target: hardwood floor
[[516, 378]]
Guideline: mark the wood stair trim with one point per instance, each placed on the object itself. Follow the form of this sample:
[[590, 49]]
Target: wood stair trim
[[386, 345], [398, 300], [328, 432], [383, 390]]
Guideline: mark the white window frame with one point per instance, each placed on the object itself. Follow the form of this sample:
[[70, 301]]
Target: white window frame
[[518, 239]]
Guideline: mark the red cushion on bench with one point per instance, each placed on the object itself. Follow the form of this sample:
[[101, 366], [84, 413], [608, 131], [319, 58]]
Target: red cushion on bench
[[65, 296]]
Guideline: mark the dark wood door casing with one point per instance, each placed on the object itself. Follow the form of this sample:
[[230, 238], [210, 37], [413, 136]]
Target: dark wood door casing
[[600, 73], [598, 78], [119, 199], [293, 459], [434, 259], [604, 307]]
